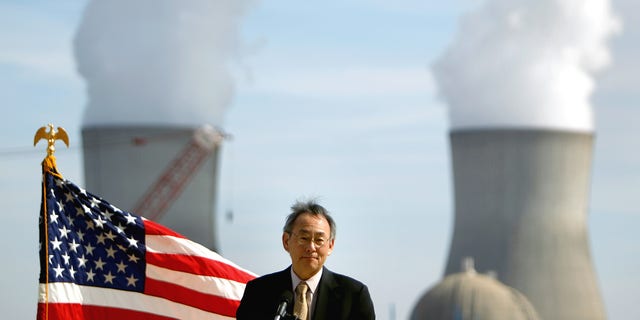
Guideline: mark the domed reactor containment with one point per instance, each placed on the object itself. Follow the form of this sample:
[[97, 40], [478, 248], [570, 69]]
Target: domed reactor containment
[[469, 295]]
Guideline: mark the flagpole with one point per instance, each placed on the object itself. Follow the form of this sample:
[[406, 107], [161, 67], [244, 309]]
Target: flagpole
[[45, 240], [48, 166]]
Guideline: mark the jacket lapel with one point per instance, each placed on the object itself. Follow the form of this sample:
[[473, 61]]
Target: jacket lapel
[[284, 277], [328, 303]]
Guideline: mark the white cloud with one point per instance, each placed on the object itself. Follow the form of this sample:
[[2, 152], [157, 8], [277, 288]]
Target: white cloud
[[158, 62], [526, 63]]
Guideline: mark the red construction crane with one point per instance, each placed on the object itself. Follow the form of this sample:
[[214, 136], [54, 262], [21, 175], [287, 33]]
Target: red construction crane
[[161, 194]]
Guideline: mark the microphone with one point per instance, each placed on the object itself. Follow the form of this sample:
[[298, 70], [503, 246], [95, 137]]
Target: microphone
[[285, 299]]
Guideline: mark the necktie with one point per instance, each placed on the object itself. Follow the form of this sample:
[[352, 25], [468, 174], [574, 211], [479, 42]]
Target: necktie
[[300, 308]]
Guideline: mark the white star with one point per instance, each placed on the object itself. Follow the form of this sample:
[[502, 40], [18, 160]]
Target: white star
[[84, 192], [72, 272], [120, 228], [100, 264], [58, 182], [68, 196], [132, 242], [121, 267], [80, 235], [94, 202], [81, 261], [58, 271], [86, 209], [111, 252], [110, 235], [109, 278], [90, 225], [132, 257], [66, 257], [60, 206], [56, 243], [54, 217], [107, 214], [101, 238], [64, 232], [130, 219], [79, 211], [90, 275], [89, 248], [99, 222], [131, 281], [50, 257], [74, 246]]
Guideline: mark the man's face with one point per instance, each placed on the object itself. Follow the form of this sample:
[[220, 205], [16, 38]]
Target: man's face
[[309, 244]]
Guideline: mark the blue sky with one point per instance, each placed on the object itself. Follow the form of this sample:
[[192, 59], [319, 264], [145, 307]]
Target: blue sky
[[333, 101]]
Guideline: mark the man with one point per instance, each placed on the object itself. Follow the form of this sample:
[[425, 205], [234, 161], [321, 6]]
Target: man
[[308, 236]]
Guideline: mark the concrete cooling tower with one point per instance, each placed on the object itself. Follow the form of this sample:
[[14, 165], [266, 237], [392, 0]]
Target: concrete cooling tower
[[123, 162], [155, 72], [521, 198]]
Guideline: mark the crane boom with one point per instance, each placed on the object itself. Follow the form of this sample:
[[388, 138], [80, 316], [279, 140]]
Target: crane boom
[[170, 184]]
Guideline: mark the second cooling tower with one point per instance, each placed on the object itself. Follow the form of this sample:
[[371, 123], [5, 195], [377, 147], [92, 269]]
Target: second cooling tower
[[123, 162], [521, 199]]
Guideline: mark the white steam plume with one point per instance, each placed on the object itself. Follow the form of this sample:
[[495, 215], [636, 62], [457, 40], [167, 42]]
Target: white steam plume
[[526, 63], [150, 62]]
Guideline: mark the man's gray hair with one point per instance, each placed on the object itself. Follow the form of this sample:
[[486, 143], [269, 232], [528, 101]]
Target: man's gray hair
[[311, 207]]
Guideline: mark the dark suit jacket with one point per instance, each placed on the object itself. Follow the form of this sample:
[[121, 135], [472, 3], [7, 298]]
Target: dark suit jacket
[[338, 297]]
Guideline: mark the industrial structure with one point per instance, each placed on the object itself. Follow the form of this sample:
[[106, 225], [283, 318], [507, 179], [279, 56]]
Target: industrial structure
[[521, 199], [167, 174], [468, 295]]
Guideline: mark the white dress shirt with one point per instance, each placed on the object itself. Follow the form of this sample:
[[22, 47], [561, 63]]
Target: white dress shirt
[[312, 283]]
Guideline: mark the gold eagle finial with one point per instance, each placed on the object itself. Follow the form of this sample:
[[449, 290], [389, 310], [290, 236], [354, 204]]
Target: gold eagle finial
[[51, 136]]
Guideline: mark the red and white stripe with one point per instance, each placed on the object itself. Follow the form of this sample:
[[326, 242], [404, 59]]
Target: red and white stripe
[[184, 280]]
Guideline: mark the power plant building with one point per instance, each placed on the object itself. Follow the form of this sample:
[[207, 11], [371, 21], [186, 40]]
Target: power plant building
[[468, 295], [122, 163], [521, 199]]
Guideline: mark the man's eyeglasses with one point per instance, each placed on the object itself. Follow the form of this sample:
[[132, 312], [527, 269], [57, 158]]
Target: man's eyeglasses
[[305, 239]]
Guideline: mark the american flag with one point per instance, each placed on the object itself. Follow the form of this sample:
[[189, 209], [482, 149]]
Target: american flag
[[99, 262]]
